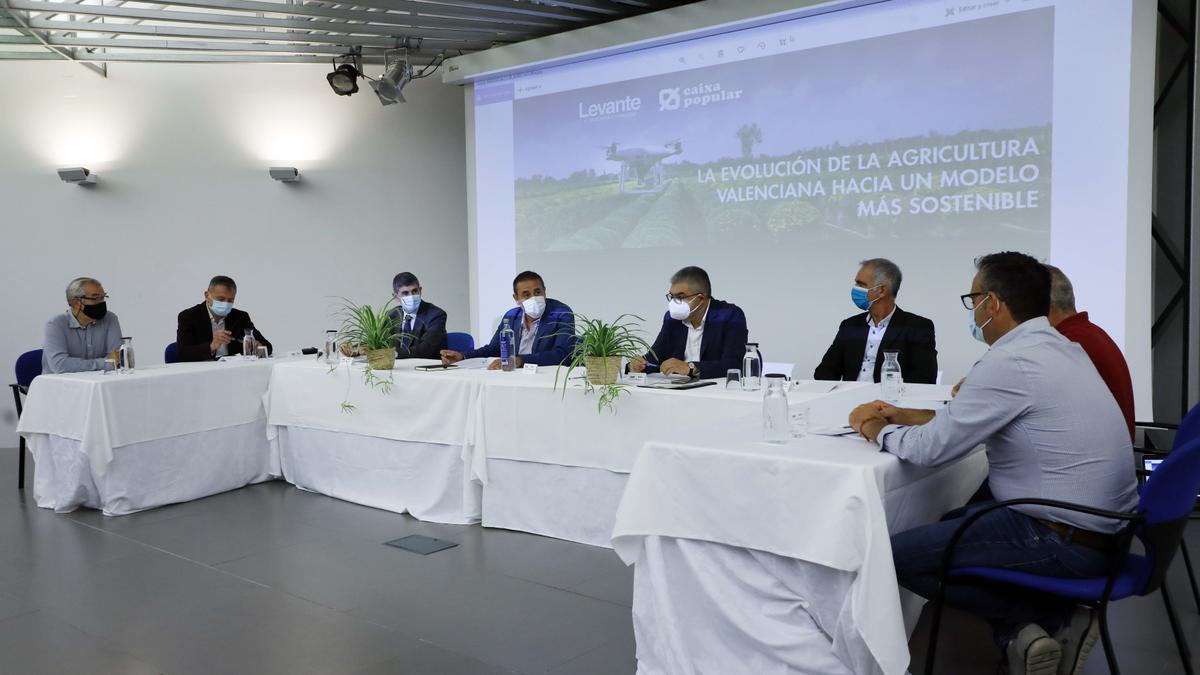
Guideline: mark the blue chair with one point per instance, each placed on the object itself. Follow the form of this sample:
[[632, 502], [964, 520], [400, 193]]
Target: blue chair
[[1188, 427], [171, 353], [1164, 504], [460, 342], [29, 366]]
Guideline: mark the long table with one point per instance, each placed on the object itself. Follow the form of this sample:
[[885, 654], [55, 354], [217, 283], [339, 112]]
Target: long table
[[127, 442], [776, 558]]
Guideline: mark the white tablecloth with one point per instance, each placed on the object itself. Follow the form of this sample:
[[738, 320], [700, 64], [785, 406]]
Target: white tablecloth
[[405, 450], [160, 435], [809, 519], [557, 468]]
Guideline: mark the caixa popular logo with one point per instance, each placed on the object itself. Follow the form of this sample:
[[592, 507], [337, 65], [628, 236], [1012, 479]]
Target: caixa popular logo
[[668, 99], [696, 96]]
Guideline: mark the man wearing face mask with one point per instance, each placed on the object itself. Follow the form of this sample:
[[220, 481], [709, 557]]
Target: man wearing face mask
[[213, 328], [422, 323], [701, 336], [544, 328], [857, 351], [79, 339], [1052, 430]]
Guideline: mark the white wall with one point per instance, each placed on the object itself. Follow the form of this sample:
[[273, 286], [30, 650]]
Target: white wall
[[182, 153]]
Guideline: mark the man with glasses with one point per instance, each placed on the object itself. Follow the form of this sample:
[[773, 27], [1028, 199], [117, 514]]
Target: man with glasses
[[213, 328], [1052, 431], [82, 337], [855, 354], [701, 336], [543, 328]]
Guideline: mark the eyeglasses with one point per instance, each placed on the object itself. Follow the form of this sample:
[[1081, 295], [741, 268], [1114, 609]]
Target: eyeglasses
[[680, 296], [94, 298], [968, 299]]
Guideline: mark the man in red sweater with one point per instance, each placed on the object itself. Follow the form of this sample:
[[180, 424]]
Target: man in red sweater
[[1104, 353]]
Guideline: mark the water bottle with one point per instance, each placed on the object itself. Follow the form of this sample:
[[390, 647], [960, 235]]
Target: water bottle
[[751, 369], [776, 422], [248, 350], [507, 337], [125, 356], [890, 377], [331, 356]]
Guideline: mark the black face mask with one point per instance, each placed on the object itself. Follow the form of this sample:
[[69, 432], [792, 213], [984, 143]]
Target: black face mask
[[95, 312]]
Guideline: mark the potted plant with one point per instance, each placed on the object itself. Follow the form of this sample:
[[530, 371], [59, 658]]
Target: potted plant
[[599, 348], [374, 332]]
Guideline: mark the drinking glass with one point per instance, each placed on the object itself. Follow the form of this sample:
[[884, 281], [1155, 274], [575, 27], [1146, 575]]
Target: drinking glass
[[733, 378]]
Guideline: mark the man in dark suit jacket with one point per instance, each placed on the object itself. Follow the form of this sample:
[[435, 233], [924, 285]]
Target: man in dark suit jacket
[[857, 351], [544, 328], [213, 328], [700, 336], [422, 323]]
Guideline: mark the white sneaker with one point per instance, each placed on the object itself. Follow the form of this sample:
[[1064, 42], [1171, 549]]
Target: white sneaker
[[1033, 652], [1076, 640]]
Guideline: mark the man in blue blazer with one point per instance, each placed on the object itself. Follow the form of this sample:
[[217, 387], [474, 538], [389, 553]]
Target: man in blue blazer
[[420, 324], [544, 328], [701, 336]]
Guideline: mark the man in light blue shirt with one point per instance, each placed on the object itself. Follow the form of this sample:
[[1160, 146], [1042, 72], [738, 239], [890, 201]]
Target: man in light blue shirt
[[1052, 430], [80, 338]]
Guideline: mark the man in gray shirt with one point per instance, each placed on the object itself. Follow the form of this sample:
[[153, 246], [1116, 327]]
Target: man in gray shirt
[[1053, 431], [80, 338]]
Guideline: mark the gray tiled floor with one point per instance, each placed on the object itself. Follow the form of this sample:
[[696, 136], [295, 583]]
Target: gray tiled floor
[[270, 579]]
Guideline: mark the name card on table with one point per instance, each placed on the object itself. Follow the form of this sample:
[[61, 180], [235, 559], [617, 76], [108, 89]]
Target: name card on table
[[529, 369]]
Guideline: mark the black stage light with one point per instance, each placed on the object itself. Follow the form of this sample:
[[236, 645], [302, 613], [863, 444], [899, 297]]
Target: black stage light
[[344, 79]]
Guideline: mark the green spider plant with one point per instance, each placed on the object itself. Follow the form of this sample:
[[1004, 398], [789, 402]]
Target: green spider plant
[[597, 338], [368, 328]]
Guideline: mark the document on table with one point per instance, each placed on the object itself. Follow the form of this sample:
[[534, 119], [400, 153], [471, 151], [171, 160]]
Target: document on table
[[475, 364]]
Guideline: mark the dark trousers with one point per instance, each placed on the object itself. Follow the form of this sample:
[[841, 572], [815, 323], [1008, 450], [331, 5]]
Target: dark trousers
[[1002, 538]]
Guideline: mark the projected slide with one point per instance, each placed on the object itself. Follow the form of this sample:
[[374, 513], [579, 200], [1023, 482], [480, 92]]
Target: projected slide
[[943, 132]]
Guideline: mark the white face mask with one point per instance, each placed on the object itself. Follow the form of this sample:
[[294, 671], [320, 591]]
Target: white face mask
[[679, 310], [534, 306]]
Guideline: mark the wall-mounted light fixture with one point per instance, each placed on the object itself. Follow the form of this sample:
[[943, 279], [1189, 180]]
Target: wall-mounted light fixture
[[77, 175], [285, 174]]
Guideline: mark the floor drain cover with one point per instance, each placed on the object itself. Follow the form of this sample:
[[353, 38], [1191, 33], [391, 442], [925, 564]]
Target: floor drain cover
[[418, 543]]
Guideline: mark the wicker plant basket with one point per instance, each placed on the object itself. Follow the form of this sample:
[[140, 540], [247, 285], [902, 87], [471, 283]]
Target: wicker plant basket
[[603, 369], [381, 359]]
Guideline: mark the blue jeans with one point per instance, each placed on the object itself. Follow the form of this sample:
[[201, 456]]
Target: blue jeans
[[1002, 538]]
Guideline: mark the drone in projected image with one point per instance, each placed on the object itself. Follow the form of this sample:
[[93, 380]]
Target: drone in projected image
[[642, 167]]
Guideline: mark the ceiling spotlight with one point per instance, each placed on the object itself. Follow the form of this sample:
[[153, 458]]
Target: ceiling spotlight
[[285, 174], [344, 79], [77, 175], [389, 86]]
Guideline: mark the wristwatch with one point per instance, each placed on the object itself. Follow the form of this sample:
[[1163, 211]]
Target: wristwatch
[[693, 369]]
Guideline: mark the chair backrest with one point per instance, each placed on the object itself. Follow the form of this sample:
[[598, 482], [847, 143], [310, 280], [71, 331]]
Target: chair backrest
[[1166, 501], [1189, 426], [29, 366], [171, 353], [460, 342]]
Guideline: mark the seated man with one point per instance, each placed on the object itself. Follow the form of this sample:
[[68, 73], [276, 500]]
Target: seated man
[[82, 337], [422, 323], [1052, 430], [700, 336], [544, 328], [855, 354], [213, 328], [1100, 348]]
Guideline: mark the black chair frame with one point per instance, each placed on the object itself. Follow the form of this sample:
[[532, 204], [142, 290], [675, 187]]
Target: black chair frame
[[1159, 534], [19, 391]]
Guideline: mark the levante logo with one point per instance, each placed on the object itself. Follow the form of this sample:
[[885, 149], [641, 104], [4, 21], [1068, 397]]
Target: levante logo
[[696, 96]]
